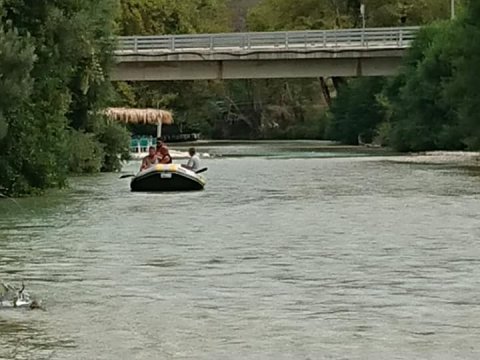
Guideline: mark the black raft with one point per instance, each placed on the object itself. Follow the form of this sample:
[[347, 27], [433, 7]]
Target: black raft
[[169, 177]]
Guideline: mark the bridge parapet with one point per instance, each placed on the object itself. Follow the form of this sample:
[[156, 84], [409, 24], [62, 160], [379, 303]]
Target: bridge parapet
[[270, 41]]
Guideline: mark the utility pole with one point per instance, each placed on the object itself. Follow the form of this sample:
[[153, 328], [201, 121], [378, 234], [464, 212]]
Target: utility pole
[[452, 11], [362, 12]]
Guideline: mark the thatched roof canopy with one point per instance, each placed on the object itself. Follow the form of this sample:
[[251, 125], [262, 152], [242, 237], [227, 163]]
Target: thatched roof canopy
[[140, 116]]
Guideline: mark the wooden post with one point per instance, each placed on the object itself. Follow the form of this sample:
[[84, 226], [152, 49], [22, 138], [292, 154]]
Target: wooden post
[[159, 131]]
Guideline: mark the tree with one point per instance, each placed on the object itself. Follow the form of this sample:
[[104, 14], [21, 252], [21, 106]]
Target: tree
[[16, 62], [145, 17], [355, 112], [464, 89], [417, 112], [435, 98], [277, 15], [424, 117], [72, 44]]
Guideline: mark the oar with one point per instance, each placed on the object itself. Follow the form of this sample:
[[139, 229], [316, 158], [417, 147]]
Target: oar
[[201, 170]]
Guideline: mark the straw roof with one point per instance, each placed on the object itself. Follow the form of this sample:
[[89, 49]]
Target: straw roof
[[140, 116]]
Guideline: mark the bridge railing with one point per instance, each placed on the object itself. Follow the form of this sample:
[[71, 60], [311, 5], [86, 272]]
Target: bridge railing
[[293, 40]]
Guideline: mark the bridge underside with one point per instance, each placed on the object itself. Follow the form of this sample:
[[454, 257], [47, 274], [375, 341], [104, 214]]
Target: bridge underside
[[254, 69], [262, 66]]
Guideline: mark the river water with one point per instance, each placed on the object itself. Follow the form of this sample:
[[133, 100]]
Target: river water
[[292, 254]]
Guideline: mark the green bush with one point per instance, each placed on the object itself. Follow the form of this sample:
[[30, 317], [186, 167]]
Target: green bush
[[421, 111], [356, 112], [382, 136], [115, 141], [54, 61], [86, 153]]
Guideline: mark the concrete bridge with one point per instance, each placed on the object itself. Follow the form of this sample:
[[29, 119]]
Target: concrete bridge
[[295, 54]]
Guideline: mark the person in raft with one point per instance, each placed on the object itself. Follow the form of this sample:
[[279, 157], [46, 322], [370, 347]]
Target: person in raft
[[163, 154], [149, 160], [194, 161]]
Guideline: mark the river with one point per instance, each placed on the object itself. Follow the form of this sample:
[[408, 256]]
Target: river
[[296, 253]]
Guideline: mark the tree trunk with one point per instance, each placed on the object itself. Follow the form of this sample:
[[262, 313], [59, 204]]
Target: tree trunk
[[338, 82], [325, 92]]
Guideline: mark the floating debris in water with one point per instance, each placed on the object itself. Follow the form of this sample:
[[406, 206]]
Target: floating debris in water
[[11, 297]]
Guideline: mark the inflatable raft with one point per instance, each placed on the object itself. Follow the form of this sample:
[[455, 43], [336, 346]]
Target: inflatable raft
[[169, 177]]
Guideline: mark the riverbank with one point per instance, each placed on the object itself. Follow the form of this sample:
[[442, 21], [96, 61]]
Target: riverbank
[[208, 149], [454, 158]]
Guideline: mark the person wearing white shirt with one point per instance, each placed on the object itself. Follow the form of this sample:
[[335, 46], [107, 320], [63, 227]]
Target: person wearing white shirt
[[194, 161]]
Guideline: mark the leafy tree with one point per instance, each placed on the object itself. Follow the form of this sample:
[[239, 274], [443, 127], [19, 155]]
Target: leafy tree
[[146, 17], [276, 15], [71, 43], [464, 90], [16, 61], [279, 15], [356, 113], [424, 117], [418, 110]]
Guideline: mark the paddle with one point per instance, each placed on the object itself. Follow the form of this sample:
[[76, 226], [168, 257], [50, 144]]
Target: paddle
[[201, 170]]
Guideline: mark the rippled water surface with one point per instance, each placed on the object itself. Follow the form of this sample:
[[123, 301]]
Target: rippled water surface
[[281, 257]]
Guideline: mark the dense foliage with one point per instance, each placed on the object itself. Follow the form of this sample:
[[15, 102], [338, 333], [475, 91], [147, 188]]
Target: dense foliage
[[272, 15], [16, 85], [55, 58], [433, 103], [356, 113], [422, 117]]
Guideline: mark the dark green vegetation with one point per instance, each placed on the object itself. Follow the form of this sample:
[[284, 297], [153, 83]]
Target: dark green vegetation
[[435, 101], [433, 104], [54, 61], [55, 57]]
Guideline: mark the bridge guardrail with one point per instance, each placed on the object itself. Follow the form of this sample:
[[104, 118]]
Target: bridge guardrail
[[289, 40]]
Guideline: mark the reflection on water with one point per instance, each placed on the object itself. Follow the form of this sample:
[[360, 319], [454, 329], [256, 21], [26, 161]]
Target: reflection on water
[[279, 258]]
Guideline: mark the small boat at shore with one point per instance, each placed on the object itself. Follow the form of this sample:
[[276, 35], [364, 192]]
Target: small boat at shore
[[168, 177], [178, 138]]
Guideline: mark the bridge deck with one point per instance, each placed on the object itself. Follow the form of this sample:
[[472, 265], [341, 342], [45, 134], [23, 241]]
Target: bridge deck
[[353, 52]]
